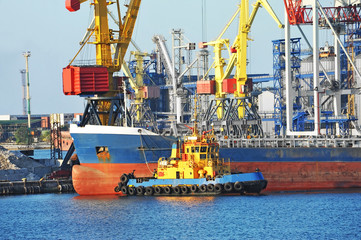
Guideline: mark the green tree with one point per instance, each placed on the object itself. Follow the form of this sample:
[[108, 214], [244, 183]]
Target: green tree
[[1, 134], [21, 135], [45, 136]]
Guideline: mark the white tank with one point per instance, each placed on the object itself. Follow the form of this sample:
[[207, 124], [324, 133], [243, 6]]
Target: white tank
[[339, 3]]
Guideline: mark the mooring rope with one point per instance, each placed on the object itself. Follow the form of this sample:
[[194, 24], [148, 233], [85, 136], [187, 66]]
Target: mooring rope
[[142, 148]]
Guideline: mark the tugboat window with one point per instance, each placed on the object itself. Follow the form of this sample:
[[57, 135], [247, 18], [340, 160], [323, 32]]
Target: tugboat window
[[203, 149]]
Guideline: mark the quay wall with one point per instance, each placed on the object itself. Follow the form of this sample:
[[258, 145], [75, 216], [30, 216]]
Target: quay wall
[[35, 187]]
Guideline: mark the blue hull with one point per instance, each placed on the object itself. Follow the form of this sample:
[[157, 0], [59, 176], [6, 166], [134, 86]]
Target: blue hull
[[149, 148], [299, 154], [240, 183], [240, 177], [123, 148]]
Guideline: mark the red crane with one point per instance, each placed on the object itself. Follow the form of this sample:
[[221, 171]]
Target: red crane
[[297, 14]]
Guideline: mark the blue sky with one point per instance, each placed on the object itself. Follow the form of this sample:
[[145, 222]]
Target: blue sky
[[52, 35]]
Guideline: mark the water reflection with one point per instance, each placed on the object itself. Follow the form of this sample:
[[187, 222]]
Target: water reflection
[[97, 197], [191, 201], [106, 202], [275, 216]]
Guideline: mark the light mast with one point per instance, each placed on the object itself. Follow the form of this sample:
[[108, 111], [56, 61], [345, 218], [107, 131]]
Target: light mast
[[27, 55]]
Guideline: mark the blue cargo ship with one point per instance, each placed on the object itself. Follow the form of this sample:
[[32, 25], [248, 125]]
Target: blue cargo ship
[[106, 152]]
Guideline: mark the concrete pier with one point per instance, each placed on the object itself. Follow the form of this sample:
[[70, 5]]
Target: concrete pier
[[35, 187]]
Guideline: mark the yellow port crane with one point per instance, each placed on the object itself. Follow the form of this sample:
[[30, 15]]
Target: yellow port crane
[[137, 84], [239, 53], [240, 44], [104, 38]]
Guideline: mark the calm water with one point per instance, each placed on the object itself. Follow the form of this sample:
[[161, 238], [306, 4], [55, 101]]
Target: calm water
[[277, 216], [44, 153]]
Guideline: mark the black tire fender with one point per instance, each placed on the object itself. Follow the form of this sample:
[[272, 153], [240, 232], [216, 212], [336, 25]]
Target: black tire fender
[[228, 187], [177, 190], [210, 187], [132, 191], [184, 189], [158, 190], [117, 189], [203, 188], [149, 191], [238, 186], [168, 190], [218, 188], [140, 190], [194, 188], [124, 179], [124, 190]]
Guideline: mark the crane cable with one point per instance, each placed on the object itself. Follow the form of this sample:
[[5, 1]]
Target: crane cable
[[81, 47], [142, 149]]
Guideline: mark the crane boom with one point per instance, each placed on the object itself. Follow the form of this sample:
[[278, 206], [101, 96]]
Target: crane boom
[[240, 44], [125, 35], [87, 80], [245, 24], [104, 36], [238, 57]]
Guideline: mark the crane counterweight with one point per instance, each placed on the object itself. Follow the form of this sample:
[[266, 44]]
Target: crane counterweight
[[72, 5]]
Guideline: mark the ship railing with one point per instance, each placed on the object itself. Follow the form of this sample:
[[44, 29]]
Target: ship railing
[[290, 142]]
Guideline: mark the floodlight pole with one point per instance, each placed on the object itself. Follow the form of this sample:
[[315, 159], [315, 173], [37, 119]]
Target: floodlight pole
[[27, 55]]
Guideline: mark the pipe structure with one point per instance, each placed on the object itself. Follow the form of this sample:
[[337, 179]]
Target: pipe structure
[[316, 70], [177, 37], [289, 95], [317, 10], [338, 39], [337, 96], [160, 42]]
